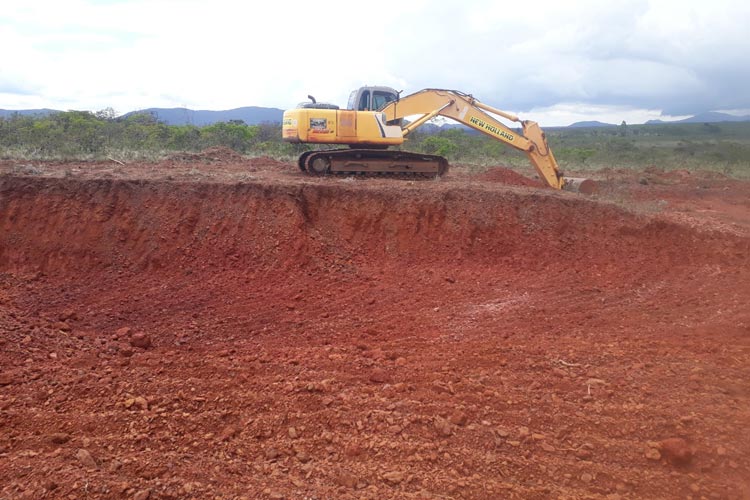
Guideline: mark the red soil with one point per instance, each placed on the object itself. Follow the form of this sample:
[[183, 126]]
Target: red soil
[[507, 176], [192, 330]]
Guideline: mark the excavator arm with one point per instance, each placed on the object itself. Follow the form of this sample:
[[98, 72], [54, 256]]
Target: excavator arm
[[465, 109]]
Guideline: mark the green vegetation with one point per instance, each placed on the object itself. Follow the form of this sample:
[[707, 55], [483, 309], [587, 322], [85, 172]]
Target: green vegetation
[[723, 147], [88, 136]]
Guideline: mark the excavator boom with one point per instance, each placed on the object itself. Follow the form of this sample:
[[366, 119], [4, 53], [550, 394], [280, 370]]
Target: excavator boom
[[468, 110]]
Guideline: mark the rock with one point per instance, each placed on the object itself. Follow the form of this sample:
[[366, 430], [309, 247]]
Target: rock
[[272, 453], [652, 453], [59, 438], [228, 433], [122, 332], [379, 376], [292, 432], [126, 351], [62, 326], [6, 379], [140, 340], [584, 454], [676, 450], [394, 477], [142, 495], [523, 432], [68, 314], [586, 477], [400, 362], [303, 456], [347, 479], [50, 485], [458, 418], [352, 450], [86, 459], [141, 403], [443, 427]]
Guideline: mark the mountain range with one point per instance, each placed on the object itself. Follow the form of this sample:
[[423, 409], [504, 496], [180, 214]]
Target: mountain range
[[709, 117], [254, 115], [251, 115]]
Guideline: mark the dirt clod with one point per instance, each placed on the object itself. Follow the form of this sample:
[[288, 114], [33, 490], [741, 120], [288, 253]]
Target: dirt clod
[[59, 438], [347, 479], [6, 379], [676, 450], [140, 340], [379, 376], [142, 495], [86, 459]]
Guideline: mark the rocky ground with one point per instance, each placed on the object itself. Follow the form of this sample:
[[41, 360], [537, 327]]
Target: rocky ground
[[213, 326]]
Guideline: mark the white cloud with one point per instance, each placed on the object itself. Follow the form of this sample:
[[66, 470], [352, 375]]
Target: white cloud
[[630, 56]]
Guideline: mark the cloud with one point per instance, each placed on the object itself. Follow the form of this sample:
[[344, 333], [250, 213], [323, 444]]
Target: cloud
[[639, 55]]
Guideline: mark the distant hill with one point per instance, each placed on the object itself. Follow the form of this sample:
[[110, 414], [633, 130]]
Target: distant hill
[[431, 128], [593, 123], [709, 117], [251, 115], [7, 113]]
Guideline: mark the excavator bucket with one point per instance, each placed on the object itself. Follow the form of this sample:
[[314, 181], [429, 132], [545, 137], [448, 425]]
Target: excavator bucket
[[580, 185]]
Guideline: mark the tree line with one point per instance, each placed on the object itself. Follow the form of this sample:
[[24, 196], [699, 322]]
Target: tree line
[[84, 135]]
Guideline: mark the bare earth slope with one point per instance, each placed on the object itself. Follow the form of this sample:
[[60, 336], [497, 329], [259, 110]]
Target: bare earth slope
[[220, 327]]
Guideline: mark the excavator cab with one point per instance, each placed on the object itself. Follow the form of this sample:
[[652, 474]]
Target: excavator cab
[[371, 98]]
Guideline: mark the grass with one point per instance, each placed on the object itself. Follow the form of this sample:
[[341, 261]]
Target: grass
[[722, 147]]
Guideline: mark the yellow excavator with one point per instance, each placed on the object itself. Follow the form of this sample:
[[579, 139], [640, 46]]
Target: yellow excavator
[[375, 119]]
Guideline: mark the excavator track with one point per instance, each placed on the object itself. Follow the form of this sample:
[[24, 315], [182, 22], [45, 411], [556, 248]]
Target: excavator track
[[371, 161]]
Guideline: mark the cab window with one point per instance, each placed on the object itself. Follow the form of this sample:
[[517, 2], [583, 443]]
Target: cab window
[[352, 100], [380, 99]]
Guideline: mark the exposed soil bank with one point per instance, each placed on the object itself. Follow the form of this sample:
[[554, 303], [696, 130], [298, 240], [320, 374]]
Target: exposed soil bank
[[311, 339], [57, 226]]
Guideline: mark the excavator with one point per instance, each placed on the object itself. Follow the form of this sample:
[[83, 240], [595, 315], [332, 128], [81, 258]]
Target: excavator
[[375, 119]]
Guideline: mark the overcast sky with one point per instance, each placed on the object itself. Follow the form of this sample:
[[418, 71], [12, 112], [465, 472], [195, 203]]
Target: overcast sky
[[556, 62]]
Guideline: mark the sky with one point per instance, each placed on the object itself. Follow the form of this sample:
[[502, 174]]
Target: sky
[[556, 62]]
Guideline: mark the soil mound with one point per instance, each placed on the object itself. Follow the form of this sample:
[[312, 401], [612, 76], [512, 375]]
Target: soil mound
[[507, 176], [215, 155], [268, 163]]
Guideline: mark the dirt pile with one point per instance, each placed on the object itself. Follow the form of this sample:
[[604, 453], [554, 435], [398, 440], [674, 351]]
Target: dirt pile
[[218, 154], [286, 337], [507, 176]]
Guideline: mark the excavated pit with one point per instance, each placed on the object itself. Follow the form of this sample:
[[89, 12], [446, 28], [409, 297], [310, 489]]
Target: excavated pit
[[347, 340]]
